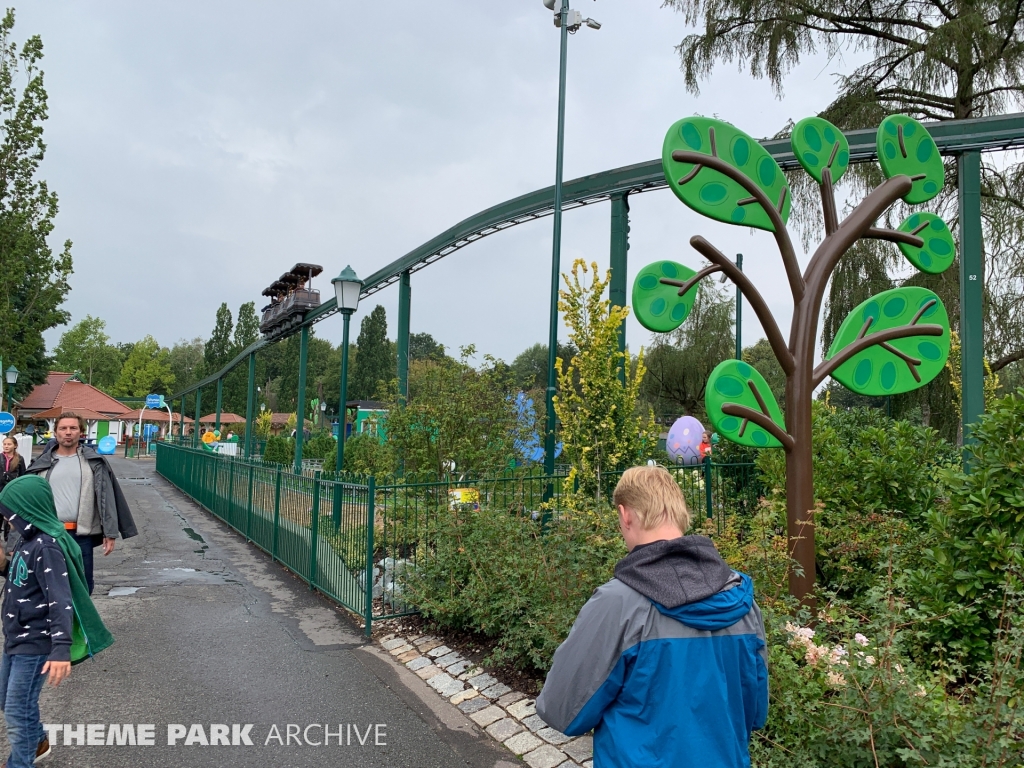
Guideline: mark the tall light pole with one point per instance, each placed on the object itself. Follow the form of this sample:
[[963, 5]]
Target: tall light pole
[[567, 21], [739, 309], [346, 290]]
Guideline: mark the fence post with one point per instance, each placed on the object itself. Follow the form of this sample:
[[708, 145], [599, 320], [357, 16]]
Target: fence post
[[277, 512], [229, 510], [707, 486], [248, 506], [371, 492], [314, 530]]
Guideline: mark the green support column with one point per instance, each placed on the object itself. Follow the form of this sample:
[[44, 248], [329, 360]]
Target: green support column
[[300, 413], [195, 430], [404, 301], [220, 401], [618, 262], [250, 405], [972, 341]]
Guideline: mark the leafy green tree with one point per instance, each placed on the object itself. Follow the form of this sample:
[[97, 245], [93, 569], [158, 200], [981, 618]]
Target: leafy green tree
[[679, 363], [146, 370], [218, 350], [423, 346], [760, 356], [376, 363], [187, 361], [86, 348], [33, 279], [530, 368], [456, 415], [604, 427], [236, 383]]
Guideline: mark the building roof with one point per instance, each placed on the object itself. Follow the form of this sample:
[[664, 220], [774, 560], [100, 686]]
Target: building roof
[[153, 414], [225, 418], [59, 391], [60, 410], [281, 419]]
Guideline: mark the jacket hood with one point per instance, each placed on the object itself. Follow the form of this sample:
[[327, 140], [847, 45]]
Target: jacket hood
[[27, 503], [689, 581], [718, 611]]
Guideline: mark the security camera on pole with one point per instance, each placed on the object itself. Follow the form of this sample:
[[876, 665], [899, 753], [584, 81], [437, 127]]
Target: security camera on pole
[[567, 21]]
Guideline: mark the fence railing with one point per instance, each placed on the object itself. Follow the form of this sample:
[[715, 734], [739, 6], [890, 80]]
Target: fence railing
[[352, 537]]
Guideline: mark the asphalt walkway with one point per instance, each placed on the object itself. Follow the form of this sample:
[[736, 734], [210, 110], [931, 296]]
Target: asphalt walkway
[[216, 643]]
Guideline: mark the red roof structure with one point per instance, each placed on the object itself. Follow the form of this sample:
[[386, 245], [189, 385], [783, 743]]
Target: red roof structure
[[60, 410], [225, 418], [64, 391]]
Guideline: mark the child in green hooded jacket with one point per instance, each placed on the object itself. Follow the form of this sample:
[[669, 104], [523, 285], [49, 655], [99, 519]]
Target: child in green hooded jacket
[[49, 620]]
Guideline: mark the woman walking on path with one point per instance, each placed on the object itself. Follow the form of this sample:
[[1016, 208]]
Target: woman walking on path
[[12, 466]]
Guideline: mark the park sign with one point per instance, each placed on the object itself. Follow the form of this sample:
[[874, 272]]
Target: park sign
[[6, 422], [154, 401]]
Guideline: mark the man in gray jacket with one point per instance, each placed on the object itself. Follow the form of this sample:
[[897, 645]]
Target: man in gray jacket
[[89, 500]]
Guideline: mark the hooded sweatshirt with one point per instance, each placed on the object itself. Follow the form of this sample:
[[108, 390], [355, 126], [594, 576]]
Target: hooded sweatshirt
[[28, 504], [666, 662]]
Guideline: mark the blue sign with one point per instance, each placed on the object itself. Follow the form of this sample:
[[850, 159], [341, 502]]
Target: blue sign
[[154, 401], [6, 422], [107, 445]]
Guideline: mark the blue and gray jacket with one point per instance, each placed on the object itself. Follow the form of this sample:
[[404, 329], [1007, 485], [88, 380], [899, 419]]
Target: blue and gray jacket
[[666, 663]]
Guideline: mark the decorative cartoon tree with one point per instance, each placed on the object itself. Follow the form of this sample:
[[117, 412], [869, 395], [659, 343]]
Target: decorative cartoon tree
[[895, 342]]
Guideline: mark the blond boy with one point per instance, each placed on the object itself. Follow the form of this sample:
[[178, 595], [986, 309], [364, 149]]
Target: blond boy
[[666, 662]]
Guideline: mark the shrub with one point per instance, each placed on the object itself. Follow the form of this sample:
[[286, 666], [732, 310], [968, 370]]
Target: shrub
[[846, 694], [495, 573], [977, 548], [280, 450], [365, 454], [318, 446], [876, 480]]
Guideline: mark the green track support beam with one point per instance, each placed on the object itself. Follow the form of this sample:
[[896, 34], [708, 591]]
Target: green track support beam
[[404, 304], [972, 340], [195, 430], [250, 404], [220, 402], [300, 411], [617, 292]]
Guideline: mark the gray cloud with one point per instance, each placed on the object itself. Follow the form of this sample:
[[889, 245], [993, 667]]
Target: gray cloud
[[199, 149]]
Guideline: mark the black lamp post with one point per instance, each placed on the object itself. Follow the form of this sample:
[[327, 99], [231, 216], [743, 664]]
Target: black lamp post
[[346, 290]]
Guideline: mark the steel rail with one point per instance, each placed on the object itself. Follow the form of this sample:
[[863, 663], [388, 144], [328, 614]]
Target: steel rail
[[988, 134]]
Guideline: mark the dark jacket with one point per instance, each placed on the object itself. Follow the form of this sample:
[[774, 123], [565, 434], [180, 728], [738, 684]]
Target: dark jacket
[[17, 469], [37, 606], [666, 662], [111, 505]]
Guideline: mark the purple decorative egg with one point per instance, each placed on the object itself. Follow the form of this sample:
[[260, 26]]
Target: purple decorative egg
[[683, 442]]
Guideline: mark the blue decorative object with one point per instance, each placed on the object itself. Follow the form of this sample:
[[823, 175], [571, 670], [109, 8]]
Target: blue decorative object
[[107, 445], [531, 448]]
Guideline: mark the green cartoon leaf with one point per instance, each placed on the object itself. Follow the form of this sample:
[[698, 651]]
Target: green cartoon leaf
[[658, 306], [899, 365], [939, 249], [905, 147], [712, 193], [734, 382], [818, 144]]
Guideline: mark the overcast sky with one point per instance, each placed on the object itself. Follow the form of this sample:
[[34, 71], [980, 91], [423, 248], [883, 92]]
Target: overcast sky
[[199, 149]]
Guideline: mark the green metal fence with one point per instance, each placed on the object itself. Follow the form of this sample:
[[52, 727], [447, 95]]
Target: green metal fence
[[352, 537]]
